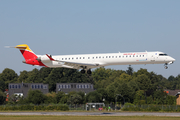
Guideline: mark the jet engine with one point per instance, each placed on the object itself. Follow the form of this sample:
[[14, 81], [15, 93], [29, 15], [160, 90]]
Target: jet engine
[[43, 58]]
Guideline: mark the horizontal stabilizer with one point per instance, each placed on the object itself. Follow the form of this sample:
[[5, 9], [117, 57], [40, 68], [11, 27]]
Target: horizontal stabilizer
[[21, 47]]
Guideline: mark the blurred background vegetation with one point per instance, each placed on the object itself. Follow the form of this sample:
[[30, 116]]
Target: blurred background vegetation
[[140, 87]]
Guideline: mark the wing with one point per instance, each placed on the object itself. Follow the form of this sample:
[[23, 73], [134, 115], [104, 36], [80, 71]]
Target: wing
[[75, 65]]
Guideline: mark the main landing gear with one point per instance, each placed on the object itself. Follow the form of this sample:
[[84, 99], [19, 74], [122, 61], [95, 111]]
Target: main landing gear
[[88, 71], [83, 71], [165, 66]]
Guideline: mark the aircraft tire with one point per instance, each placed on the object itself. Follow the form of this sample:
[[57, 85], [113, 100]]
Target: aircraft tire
[[89, 71], [83, 71]]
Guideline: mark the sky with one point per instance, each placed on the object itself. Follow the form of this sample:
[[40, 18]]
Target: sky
[[60, 27]]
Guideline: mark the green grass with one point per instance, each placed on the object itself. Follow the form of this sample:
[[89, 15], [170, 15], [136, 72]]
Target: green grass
[[49, 117]]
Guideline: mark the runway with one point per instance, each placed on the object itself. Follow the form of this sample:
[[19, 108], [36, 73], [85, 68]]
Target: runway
[[94, 113]]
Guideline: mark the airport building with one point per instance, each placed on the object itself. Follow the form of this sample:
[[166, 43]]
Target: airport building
[[22, 89], [174, 93], [68, 87]]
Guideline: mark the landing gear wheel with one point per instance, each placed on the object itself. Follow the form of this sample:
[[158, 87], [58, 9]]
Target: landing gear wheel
[[83, 71], [166, 67], [89, 71]]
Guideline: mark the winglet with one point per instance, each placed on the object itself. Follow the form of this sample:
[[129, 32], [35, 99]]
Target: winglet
[[50, 57]]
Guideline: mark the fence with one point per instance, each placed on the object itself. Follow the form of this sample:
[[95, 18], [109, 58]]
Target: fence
[[94, 107], [63, 107], [112, 107], [77, 107], [107, 107], [33, 107], [151, 108]]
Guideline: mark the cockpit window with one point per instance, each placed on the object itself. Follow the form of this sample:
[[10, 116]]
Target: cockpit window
[[163, 55]]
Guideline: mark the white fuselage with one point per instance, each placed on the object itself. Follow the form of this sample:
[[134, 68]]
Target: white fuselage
[[108, 59]]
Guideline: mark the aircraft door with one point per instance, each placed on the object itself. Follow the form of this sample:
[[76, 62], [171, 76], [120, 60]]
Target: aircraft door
[[152, 58]]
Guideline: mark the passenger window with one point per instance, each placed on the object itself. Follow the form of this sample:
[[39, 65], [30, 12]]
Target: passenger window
[[106, 56], [69, 58], [77, 58], [109, 56], [96, 57], [65, 58], [112, 56], [83, 57], [88, 57], [99, 56], [92, 57], [62, 58]]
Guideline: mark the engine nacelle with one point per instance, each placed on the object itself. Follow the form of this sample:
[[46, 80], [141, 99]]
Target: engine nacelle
[[43, 58]]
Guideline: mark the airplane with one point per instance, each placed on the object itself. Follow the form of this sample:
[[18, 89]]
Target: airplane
[[86, 62]]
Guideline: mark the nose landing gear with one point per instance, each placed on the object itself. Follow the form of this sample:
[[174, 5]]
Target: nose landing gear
[[165, 66]]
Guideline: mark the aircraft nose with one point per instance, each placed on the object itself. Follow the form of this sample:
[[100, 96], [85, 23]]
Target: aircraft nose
[[173, 59]]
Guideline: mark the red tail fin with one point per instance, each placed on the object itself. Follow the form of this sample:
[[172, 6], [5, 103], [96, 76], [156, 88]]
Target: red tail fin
[[29, 56], [26, 52]]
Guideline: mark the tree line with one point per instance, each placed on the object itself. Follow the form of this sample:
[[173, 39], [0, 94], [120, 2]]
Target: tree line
[[137, 87]]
